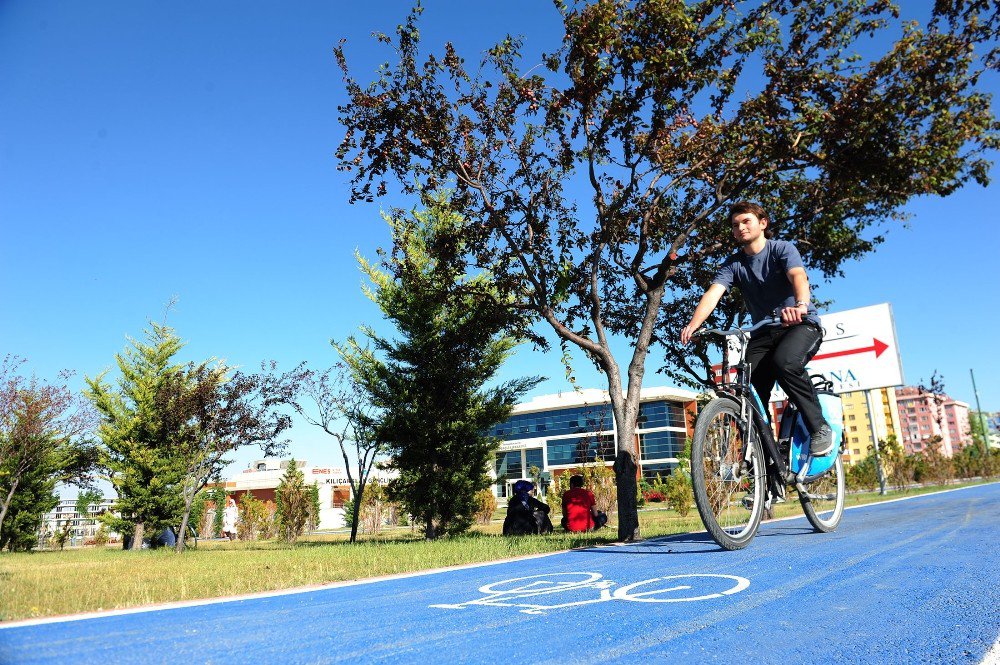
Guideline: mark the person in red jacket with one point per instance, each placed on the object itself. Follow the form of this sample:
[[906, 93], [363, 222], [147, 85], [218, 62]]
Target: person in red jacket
[[579, 507]]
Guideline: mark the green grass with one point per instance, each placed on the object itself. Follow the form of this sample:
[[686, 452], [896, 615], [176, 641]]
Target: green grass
[[48, 583]]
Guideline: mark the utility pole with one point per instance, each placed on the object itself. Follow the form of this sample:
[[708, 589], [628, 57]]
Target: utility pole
[[979, 410]]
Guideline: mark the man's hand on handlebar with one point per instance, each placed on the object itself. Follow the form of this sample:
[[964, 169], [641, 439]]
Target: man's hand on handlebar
[[792, 316], [688, 333]]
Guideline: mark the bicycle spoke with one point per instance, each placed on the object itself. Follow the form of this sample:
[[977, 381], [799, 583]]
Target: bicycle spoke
[[725, 485]]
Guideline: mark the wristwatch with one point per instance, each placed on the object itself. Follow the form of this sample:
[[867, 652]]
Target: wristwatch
[[800, 303]]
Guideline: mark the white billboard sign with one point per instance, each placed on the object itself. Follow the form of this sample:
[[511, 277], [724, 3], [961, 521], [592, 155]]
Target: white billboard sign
[[859, 351]]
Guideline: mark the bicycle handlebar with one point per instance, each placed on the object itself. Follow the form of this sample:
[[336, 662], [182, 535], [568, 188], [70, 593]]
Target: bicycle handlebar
[[763, 323]]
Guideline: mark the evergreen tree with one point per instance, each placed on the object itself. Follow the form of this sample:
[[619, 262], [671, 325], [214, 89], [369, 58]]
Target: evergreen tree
[[293, 501], [135, 446], [312, 519], [429, 385], [35, 496], [42, 427], [218, 497]]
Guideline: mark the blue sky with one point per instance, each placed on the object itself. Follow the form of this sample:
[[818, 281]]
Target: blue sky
[[152, 150]]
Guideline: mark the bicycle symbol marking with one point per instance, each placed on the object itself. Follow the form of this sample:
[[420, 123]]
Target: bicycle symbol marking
[[537, 594]]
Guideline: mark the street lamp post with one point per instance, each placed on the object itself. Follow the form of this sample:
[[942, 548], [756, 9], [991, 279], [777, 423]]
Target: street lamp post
[[979, 410]]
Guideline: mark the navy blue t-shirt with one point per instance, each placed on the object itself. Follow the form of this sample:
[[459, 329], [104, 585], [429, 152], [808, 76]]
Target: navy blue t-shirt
[[763, 279]]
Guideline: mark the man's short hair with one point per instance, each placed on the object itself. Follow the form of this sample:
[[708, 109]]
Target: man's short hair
[[741, 207], [576, 481]]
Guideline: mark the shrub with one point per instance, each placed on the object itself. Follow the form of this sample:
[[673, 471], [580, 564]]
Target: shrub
[[375, 508], [679, 492], [256, 518], [486, 505]]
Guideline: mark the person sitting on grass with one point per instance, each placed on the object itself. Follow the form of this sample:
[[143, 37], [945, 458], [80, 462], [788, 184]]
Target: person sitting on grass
[[526, 514], [580, 508]]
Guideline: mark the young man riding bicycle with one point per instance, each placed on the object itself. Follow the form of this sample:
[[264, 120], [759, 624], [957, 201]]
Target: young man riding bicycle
[[771, 277]]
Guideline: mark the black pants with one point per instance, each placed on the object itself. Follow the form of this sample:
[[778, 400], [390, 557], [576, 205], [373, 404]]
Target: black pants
[[781, 354]]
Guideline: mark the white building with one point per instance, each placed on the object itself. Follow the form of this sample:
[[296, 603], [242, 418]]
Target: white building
[[261, 478], [83, 528]]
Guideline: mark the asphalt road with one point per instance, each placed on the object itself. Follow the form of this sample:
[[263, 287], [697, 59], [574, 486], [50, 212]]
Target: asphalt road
[[910, 581]]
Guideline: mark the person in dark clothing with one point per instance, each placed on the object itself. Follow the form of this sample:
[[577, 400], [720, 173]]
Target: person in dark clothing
[[771, 277], [526, 514]]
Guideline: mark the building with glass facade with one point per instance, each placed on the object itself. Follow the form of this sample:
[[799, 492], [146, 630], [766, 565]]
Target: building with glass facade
[[555, 433]]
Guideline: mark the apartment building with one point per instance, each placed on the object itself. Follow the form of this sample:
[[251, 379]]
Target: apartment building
[[925, 415], [83, 527], [859, 420]]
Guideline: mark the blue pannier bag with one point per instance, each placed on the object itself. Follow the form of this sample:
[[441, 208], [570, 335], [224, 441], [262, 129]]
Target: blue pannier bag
[[833, 412]]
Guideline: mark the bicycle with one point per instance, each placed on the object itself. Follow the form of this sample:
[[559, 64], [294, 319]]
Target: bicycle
[[739, 470]]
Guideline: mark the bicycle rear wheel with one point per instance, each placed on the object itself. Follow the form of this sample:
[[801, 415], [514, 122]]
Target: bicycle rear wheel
[[826, 506], [729, 494]]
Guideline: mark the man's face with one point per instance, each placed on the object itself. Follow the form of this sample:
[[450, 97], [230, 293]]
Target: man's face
[[747, 227]]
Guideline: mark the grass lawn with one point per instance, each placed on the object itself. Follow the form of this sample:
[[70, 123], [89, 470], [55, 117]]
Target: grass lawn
[[47, 583]]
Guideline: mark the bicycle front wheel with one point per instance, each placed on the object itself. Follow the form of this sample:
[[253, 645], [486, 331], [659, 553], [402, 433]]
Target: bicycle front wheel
[[825, 505], [728, 489]]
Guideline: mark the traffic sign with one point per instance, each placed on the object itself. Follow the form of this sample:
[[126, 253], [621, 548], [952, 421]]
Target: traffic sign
[[859, 350]]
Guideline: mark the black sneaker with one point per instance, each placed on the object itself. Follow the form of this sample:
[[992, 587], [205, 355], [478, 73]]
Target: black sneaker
[[822, 442]]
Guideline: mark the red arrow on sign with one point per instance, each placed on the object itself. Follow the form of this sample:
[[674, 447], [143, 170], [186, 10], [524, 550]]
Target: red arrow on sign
[[877, 346]]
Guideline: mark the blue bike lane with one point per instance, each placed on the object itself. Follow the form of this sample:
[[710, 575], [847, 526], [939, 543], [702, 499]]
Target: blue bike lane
[[916, 580]]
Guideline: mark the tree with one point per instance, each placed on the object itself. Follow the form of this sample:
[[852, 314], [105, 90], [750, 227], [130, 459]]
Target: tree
[[136, 445], [256, 518], [935, 388], [292, 499], [218, 497], [663, 114], [333, 400], [313, 507], [427, 388], [42, 443], [85, 500], [208, 414]]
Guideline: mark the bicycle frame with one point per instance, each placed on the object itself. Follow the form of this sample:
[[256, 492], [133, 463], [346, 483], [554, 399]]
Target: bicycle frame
[[752, 409]]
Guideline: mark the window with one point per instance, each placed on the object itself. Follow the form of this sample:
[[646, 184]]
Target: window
[[856, 451], [658, 445], [533, 457], [660, 414], [578, 450], [577, 420], [509, 464], [651, 471], [850, 417]]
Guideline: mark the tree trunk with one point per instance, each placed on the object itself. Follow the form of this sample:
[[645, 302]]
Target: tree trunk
[[179, 547], [357, 512], [625, 407], [6, 502], [627, 487], [430, 533], [137, 534]]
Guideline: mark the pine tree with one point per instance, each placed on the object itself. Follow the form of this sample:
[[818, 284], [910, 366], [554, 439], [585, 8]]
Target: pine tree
[[135, 446], [293, 501], [429, 384]]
